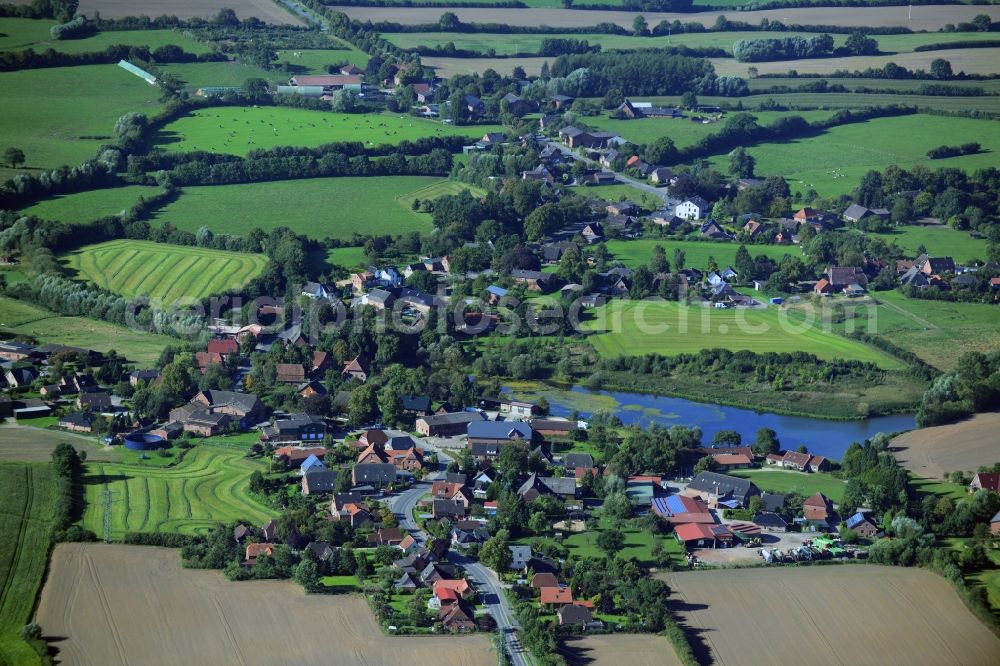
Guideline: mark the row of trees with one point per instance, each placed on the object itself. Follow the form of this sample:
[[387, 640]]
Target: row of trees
[[784, 48]]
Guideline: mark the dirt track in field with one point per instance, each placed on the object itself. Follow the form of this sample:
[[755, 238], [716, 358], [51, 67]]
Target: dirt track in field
[[970, 61], [620, 649], [265, 10], [933, 452], [852, 614], [135, 605], [925, 17]]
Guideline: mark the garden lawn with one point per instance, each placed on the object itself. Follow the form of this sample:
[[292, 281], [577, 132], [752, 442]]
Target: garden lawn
[[27, 503], [90, 99], [789, 481], [347, 257], [318, 207], [83, 207], [634, 253], [164, 273], [343, 583], [620, 192], [211, 485], [20, 318], [630, 328], [638, 543], [940, 241], [833, 162], [20, 34], [955, 491], [238, 130]]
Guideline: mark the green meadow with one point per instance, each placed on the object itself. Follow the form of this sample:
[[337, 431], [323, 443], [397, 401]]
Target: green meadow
[[165, 273], [210, 485], [683, 131], [318, 207], [789, 481], [83, 207], [201, 74], [834, 161], [631, 328], [19, 34], [90, 99], [238, 130], [633, 253], [27, 503], [940, 241], [316, 61]]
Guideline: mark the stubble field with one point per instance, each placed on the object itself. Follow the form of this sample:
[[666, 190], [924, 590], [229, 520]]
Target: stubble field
[[934, 452], [926, 17], [109, 603], [970, 61], [862, 614], [265, 10], [634, 650]]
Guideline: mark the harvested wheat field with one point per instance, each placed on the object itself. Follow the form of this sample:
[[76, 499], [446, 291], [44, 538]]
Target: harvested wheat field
[[27, 444], [130, 605], [448, 67], [265, 10], [633, 650], [933, 452], [970, 61], [852, 614], [925, 17]]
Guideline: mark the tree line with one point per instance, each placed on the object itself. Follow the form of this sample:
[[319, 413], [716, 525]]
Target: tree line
[[31, 59]]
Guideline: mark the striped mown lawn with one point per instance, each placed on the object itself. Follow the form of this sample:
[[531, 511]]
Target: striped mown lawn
[[164, 273], [209, 486]]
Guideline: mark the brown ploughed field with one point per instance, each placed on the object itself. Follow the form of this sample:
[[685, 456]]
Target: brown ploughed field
[[265, 10], [933, 452]]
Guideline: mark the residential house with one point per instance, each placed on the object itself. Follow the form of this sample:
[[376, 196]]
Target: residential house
[[355, 515], [817, 508], [577, 615], [712, 229], [499, 432], [856, 213], [16, 351], [256, 550], [457, 619], [753, 228], [244, 407], [727, 461], [455, 492], [803, 462], [661, 175], [97, 401], [554, 427], [561, 101], [357, 368], [554, 596], [386, 536], [292, 457], [444, 508], [694, 208], [935, 265], [319, 481], [985, 481], [535, 280], [289, 373], [20, 377], [841, 277], [539, 173], [519, 557], [148, 376], [474, 105], [535, 486], [416, 405], [378, 475], [447, 425], [77, 422], [716, 489], [995, 524], [573, 461], [862, 525], [593, 232], [312, 464]]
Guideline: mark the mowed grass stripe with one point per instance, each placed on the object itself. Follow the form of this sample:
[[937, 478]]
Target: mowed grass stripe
[[163, 272]]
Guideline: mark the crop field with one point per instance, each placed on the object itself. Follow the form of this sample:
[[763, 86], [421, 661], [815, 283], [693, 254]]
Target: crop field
[[683, 131], [634, 650], [87, 206], [266, 11], [854, 100], [238, 130], [19, 443], [91, 602], [928, 17], [940, 241], [964, 446], [851, 614], [167, 273], [970, 61], [789, 481], [833, 162], [630, 328], [504, 44], [19, 34], [990, 86], [633, 253], [27, 501], [91, 98], [209, 486], [319, 207], [20, 318], [200, 74]]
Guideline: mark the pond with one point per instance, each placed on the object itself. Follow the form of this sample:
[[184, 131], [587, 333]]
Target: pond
[[820, 436]]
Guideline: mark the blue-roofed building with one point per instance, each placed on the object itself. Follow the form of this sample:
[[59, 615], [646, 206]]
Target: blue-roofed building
[[499, 432], [862, 525], [311, 463], [494, 293], [677, 509]]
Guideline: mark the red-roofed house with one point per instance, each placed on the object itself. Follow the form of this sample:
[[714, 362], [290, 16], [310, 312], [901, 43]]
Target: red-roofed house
[[818, 507], [985, 481], [725, 461], [555, 596], [223, 346], [255, 550], [696, 535], [459, 587]]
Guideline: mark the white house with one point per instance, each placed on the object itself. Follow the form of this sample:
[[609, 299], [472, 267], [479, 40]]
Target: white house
[[694, 208]]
